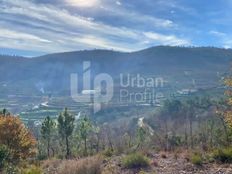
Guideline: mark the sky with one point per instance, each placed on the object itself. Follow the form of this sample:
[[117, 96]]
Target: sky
[[37, 27]]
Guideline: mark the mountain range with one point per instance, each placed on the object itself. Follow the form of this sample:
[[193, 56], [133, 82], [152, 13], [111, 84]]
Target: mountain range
[[51, 73]]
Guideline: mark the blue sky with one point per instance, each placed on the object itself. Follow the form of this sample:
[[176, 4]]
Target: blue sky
[[36, 27]]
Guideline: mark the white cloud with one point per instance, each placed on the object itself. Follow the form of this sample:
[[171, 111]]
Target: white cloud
[[83, 3], [227, 46], [95, 42], [166, 39], [47, 28], [139, 18], [223, 38], [15, 35], [217, 33], [227, 43], [118, 3]]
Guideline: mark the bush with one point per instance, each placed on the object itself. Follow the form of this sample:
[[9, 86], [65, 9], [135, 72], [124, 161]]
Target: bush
[[89, 165], [135, 160], [223, 155], [4, 155], [32, 170], [11, 169], [41, 157], [108, 153], [196, 159]]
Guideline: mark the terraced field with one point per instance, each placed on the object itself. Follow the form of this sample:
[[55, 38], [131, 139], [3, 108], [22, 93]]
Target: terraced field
[[52, 107]]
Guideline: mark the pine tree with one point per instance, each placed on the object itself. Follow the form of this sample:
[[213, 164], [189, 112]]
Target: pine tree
[[47, 129], [66, 127], [85, 127]]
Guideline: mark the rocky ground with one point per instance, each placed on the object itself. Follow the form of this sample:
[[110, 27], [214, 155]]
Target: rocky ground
[[167, 164], [162, 163]]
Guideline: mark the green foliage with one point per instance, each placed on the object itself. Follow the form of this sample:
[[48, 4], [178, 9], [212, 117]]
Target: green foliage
[[41, 156], [135, 160], [47, 130], [172, 107], [196, 159], [84, 128], [142, 172], [171, 110], [32, 170], [11, 169], [66, 127], [4, 155], [108, 152], [48, 126], [175, 140], [4, 112], [223, 155], [141, 135], [66, 123]]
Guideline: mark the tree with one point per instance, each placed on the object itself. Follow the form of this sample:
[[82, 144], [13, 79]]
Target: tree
[[195, 107], [4, 112], [221, 108], [170, 110], [17, 138], [228, 111], [66, 127], [191, 115], [47, 129], [224, 109], [141, 136], [4, 155], [85, 127]]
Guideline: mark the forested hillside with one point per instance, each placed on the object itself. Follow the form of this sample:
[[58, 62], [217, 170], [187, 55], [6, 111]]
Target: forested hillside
[[52, 71]]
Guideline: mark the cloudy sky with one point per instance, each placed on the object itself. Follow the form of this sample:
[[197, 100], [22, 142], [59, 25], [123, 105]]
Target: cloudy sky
[[36, 27]]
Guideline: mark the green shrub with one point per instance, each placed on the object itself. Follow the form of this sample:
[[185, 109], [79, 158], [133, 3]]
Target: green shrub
[[41, 157], [223, 155], [11, 169], [135, 160], [32, 170], [196, 159], [4, 155], [108, 153]]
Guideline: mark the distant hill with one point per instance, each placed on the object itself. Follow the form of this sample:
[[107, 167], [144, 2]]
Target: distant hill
[[52, 72]]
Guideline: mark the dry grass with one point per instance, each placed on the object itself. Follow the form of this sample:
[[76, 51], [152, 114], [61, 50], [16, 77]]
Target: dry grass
[[90, 165]]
